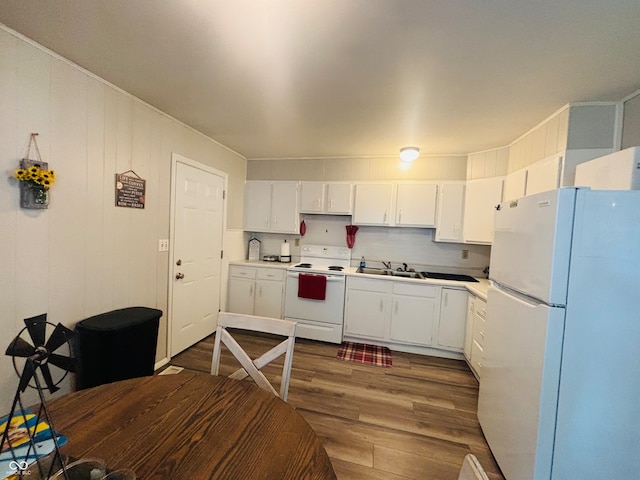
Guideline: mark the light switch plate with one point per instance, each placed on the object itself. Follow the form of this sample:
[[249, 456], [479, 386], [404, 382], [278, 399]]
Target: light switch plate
[[163, 245]]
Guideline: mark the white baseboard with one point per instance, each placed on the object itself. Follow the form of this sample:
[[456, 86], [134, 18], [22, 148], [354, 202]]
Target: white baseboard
[[161, 363]]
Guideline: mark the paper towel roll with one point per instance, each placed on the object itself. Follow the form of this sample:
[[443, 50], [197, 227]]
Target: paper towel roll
[[284, 249]]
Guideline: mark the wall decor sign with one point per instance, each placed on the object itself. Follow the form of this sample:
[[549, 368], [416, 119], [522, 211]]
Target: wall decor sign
[[130, 190]]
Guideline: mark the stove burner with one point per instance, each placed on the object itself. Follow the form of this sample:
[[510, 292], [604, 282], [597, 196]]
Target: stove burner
[[303, 265], [335, 268]]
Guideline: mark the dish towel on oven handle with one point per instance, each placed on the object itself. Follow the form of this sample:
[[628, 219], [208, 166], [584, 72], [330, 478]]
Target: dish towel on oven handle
[[312, 286]]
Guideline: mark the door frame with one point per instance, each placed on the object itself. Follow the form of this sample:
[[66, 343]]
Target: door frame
[[175, 159]]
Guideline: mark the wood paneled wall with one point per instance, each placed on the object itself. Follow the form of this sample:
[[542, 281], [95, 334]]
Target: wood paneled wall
[[83, 256], [427, 168]]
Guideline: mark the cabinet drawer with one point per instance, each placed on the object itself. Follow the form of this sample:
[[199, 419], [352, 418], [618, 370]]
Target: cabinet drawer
[[412, 289], [480, 307], [270, 274], [380, 286], [476, 358], [242, 271], [478, 330]]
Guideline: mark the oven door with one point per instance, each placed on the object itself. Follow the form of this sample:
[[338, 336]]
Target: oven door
[[329, 310]]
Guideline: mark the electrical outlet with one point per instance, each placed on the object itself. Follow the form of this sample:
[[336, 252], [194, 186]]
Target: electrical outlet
[[465, 254], [296, 242], [163, 245]]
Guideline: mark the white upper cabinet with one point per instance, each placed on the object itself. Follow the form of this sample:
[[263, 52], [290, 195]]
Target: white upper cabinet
[[544, 175], [257, 206], [535, 178], [481, 198], [339, 198], [373, 204], [326, 198], [271, 207], [400, 205], [416, 204], [311, 197], [515, 184], [450, 212]]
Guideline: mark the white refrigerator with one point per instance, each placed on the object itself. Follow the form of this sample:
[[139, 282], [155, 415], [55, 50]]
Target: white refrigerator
[[560, 386]]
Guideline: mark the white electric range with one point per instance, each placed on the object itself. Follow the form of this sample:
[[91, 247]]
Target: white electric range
[[318, 319]]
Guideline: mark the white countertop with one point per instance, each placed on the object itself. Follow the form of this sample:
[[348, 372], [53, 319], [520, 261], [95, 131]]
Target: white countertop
[[480, 288], [261, 263]]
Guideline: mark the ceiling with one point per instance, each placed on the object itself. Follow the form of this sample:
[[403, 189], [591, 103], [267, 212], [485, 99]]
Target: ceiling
[[331, 78]]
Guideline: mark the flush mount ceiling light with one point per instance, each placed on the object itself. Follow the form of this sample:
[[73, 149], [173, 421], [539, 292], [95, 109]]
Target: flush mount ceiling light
[[409, 154]]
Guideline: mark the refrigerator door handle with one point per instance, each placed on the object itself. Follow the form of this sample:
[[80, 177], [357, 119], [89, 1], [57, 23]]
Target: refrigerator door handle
[[519, 296]]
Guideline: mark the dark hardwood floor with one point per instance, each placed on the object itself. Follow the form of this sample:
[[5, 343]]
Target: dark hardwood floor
[[415, 420]]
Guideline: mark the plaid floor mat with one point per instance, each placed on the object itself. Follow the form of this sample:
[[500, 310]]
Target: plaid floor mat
[[363, 353]]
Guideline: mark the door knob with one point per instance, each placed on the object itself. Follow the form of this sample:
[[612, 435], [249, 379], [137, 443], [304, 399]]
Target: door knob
[[179, 276]]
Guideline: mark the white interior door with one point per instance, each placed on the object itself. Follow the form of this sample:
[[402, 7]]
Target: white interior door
[[198, 219]]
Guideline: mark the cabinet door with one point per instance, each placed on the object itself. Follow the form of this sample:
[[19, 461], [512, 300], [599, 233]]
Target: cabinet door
[[412, 319], [450, 212], [339, 198], [453, 318], [479, 209], [311, 197], [241, 295], [515, 185], [544, 175], [468, 331], [366, 314], [268, 298], [284, 207], [257, 206], [416, 204], [373, 204]]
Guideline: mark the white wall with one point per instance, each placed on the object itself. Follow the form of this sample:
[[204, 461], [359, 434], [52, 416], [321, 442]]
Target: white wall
[[84, 256], [631, 121]]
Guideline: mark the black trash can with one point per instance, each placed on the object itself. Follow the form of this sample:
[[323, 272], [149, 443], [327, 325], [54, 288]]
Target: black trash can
[[116, 345]]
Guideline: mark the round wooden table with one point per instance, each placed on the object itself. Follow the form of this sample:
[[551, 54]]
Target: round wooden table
[[190, 426]]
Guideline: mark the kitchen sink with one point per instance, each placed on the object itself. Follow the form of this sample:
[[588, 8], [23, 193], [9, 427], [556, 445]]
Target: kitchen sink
[[448, 276], [390, 273], [396, 273], [422, 275]]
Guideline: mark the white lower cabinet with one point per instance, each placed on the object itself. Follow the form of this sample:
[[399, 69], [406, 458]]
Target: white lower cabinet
[[474, 337], [366, 308], [256, 290], [413, 313], [453, 315], [406, 314]]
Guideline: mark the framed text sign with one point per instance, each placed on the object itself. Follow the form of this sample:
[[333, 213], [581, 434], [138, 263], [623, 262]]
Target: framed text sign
[[130, 190]]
